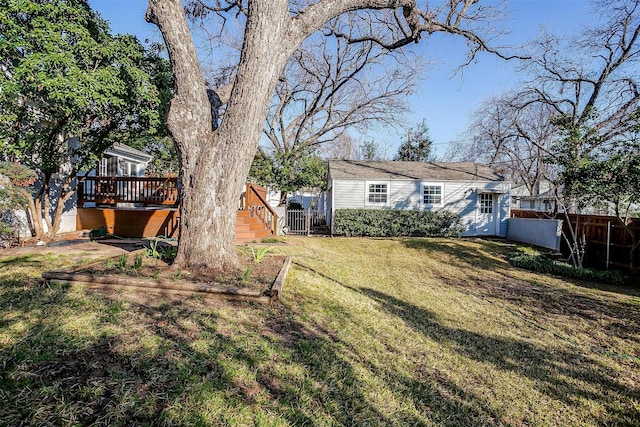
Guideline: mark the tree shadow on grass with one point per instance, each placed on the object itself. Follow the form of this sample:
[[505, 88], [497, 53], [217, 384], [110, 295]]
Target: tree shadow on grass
[[19, 260], [184, 363], [171, 363], [492, 255], [437, 397], [620, 317], [563, 375]]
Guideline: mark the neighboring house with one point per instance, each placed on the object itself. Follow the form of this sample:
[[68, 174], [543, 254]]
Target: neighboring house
[[541, 199], [119, 160], [477, 193], [122, 160]]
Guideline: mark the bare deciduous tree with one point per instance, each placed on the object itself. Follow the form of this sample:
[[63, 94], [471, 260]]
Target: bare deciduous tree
[[215, 163], [330, 86], [586, 83], [591, 80], [514, 140]]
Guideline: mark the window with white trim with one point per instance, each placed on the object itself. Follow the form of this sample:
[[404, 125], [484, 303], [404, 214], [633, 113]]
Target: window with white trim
[[486, 203], [377, 192], [432, 194], [102, 168]]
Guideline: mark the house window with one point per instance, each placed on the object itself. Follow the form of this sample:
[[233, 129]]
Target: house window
[[377, 192], [486, 203], [432, 194], [102, 167]]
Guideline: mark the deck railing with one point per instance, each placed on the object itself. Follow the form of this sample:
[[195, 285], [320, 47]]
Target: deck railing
[[257, 205], [110, 190]]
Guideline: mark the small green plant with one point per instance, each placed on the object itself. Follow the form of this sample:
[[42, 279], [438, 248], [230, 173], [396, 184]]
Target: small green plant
[[258, 255], [178, 274], [244, 276], [108, 263], [153, 251], [122, 261], [156, 274], [169, 252], [532, 260], [272, 240], [137, 263]]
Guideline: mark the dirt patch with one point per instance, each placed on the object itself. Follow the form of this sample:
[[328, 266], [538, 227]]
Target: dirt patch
[[136, 265], [78, 248], [259, 279]]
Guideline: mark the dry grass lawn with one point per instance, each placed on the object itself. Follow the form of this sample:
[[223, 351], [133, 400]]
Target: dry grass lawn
[[369, 332]]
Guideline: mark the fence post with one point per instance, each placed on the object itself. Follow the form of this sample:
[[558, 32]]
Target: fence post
[[308, 221], [608, 243]]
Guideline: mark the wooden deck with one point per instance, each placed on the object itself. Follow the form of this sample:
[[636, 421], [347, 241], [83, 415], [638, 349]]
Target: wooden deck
[[130, 222], [143, 191], [156, 213]]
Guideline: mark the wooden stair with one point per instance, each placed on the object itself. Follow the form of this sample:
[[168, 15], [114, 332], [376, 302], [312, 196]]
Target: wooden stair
[[250, 228]]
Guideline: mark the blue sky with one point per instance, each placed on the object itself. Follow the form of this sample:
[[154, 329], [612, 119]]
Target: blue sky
[[445, 101]]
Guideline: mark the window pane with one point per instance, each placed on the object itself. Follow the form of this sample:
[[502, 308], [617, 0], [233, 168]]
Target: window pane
[[486, 203], [377, 193], [432, 194]]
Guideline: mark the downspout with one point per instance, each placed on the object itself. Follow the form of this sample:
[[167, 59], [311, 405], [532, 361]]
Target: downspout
[[333, 204]]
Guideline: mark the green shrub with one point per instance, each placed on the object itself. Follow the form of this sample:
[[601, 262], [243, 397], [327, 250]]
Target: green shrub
[[543, 264], [396, 223], [294, 206]]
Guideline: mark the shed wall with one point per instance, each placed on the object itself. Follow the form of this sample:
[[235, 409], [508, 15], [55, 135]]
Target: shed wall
[[460, 198]]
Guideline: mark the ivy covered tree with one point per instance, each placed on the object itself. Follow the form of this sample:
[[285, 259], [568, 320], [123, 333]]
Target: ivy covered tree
[[417, 147], [611, 180], [68, 90]]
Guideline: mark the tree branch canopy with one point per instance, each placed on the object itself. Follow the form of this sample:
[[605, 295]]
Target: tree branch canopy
[[215, 164]]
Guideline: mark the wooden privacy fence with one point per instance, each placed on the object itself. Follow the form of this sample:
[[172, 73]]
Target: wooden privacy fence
[[608, 244]]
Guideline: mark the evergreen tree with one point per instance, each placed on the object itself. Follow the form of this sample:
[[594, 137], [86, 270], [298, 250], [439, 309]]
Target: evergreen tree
[[417, 146]]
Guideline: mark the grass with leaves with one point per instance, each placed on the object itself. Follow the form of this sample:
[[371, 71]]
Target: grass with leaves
[[369, 332]]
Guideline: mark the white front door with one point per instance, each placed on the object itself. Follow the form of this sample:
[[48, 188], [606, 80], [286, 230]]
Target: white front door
[[487, 213]]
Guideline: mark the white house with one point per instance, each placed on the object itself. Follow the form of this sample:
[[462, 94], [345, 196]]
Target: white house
[[477, 193], [118, 160], [122, 160]]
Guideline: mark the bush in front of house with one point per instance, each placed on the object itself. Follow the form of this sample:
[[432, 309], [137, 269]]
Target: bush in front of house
[[540, 263], [396, 223]]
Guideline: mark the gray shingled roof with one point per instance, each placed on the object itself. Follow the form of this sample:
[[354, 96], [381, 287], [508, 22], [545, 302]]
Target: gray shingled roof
[[439, 171], [126, 151]]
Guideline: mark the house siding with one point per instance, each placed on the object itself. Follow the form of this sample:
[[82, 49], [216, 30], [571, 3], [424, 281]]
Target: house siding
[[460, 198]]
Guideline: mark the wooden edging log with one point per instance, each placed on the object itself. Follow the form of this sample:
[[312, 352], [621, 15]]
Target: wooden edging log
[[278, 284], [165, 287]]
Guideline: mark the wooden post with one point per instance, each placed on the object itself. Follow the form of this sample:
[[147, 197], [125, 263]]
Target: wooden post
[[608, 243]]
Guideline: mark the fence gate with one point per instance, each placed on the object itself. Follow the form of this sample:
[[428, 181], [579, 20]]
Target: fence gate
[[306, 222]]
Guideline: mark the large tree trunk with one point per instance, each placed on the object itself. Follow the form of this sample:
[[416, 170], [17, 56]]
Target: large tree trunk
[[214, 164]]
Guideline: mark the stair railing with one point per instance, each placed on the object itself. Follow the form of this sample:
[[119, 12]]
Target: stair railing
[[256, 204]]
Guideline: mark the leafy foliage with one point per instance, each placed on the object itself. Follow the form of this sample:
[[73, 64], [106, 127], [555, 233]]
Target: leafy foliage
[[396, 223], [68, 90], [290, 171], [16, 178], [610, 178], [369, 150], [542, 264], [417, 146]]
